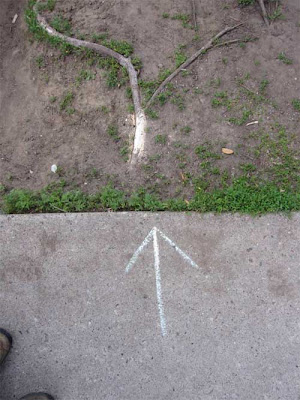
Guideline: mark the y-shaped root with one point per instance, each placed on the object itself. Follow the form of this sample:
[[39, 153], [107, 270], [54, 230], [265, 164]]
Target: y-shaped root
[[140, 132]]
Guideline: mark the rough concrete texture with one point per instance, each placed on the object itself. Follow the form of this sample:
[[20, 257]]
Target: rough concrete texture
[[84, 329]]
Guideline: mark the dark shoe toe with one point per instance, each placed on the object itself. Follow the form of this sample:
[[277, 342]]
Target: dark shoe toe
[[5, 344], [5, 333]]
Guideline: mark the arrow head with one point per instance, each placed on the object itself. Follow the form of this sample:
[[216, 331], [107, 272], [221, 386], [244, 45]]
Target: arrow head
[[148, 239]]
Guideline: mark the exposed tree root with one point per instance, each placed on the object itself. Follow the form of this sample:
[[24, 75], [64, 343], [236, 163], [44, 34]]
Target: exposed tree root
[[141, 122], [139, 139], [264, 12], [190, 60]]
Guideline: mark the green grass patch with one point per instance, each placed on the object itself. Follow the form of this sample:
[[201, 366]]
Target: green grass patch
[[120, 46], [241, 196]]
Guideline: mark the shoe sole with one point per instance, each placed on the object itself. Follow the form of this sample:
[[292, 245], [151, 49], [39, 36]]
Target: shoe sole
[[37, 396]]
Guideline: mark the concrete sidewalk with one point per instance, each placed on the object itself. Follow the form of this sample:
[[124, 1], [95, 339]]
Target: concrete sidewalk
[[209, 308]]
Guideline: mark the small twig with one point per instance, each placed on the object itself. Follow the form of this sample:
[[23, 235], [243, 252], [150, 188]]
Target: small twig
[[249, 90], [234, 19], [60, 209], [229, 42], [194, 11], [264, 12], [190, 60]]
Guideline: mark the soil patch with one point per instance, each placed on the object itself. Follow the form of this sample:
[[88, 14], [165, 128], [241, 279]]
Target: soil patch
[[208, 107]]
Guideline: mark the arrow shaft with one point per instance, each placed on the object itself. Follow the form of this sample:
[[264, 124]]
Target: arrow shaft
[[160, 303], [153, 235]]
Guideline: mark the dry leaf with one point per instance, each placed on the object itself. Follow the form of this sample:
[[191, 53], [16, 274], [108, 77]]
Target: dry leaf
[[183, 177], [227, 151]]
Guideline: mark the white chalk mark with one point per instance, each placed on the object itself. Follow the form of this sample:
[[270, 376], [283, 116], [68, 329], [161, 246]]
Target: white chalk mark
[[152, 235], [175, 247], [160, 303], [139, 250]]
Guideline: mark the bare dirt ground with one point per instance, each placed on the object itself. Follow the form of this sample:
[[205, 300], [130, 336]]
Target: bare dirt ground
[[185, 140]]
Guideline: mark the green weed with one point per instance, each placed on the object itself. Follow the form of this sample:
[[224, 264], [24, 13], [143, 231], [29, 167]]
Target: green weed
[[204, 152], [161, 139], [84, 75], [263, 85], [180, 58], [61, 25], [66, 101], [40, 61], [70, 110], [248, 167], [221, 99], [130, 108], [112, 131], [245, 2], [99, 37], [120, 46], [184, 18], [152, 113], [282, 57], [124, 151], [296, 104], [178, 100], [186, 130], [104, 109], [243, 119], [277, 14], [48, 6]]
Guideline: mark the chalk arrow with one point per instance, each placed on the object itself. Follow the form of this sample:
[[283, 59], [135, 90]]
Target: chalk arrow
[[153, 235]]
